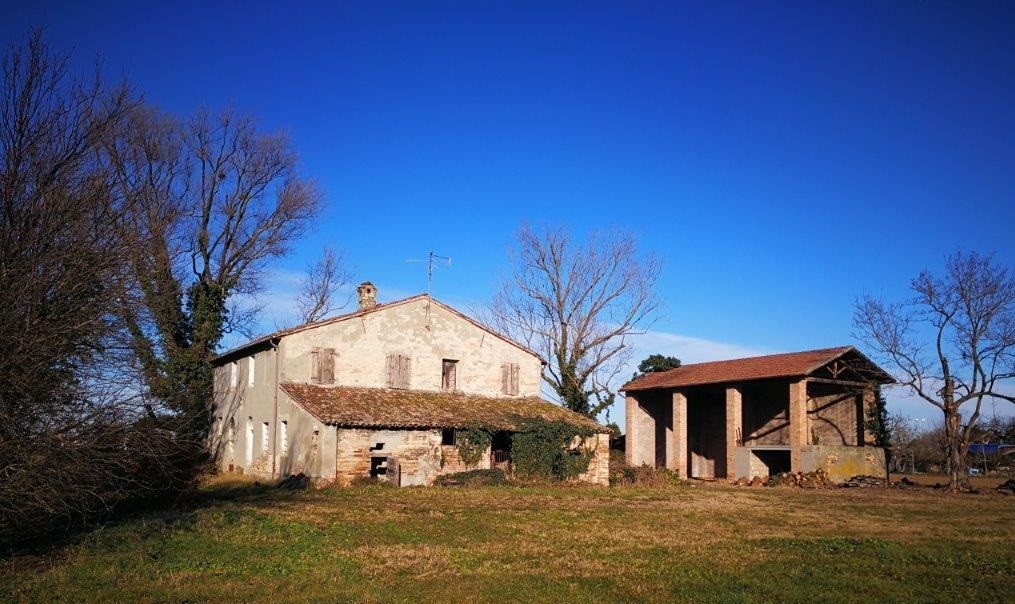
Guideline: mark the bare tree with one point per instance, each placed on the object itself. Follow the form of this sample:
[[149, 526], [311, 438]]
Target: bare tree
[[577, 304], [953, 343], [320, 286], [214, 200], [73, 441]]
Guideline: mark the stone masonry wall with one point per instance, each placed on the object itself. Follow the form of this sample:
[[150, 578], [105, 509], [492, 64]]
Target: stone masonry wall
[[599, 466], [427, 334]]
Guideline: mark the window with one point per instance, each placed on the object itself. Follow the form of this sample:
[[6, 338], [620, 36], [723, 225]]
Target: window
[[322, 365], [250, 371], [399, 369], [250, 440], [264, 437], [449, 371], [448, 437], [509, 378], [283, 435], [232, 375]]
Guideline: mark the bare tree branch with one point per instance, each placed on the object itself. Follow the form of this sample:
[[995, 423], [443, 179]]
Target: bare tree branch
[[319, 288], [968, 314], [576, 305]]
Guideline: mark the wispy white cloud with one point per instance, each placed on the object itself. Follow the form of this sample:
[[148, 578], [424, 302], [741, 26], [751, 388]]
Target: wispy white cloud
[[688, 349]]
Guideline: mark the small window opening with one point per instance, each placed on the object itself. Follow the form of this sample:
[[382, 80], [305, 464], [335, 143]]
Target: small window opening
[[449, 377], [264, 437], [250, 440], [448, 437], [250, 371], [283, 435]]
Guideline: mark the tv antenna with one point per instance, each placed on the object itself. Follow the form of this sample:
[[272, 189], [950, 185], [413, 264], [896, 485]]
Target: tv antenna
[[433, 261]]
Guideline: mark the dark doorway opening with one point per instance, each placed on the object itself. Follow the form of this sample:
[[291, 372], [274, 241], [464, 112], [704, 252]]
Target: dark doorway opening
[[500, 449], [778, 461]]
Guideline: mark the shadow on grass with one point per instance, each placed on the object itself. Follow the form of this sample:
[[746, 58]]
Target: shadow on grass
[[176, 512]]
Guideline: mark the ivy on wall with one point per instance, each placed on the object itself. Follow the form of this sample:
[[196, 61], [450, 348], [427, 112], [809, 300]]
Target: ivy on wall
[[550, 449], [472, 443]]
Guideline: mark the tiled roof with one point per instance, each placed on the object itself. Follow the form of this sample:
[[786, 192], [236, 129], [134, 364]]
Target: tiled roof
[[390, 408], [754, 368]]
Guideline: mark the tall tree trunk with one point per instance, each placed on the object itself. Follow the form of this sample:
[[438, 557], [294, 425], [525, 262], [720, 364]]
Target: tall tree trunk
[[958, 478]]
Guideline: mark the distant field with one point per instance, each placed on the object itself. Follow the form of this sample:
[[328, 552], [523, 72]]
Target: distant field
[[704, 543]]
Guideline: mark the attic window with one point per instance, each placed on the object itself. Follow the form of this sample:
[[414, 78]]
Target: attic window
[[448, 437], [322, 365], [399, 370], [449, 374]]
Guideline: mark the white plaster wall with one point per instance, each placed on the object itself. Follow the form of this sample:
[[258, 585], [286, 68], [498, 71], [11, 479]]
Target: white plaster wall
[[427, 336], [256, 403]]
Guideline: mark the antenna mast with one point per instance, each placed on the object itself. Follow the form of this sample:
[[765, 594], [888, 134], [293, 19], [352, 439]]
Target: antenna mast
[[433, 261]]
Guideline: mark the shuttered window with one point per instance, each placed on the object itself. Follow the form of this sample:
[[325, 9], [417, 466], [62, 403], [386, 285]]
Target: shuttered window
[[250, 371], [399, 370], [328, 366], [509, 378], [322, 365], [315, 365], [449, 374]]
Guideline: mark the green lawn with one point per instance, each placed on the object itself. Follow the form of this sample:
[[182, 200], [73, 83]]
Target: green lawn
[[542, 544]]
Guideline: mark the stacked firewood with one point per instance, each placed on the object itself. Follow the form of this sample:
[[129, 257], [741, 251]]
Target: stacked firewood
[[863, 482]]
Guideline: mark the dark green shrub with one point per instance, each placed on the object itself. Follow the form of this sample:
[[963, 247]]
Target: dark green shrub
[[472, 444], [543, 449]]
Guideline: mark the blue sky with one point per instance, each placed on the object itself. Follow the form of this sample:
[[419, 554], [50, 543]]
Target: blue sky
[[780, 158]]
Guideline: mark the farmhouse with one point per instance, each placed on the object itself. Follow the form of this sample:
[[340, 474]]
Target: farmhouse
[[758, 416], [380, 392]]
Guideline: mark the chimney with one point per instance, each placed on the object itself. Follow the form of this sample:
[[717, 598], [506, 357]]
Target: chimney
[[367, 295]]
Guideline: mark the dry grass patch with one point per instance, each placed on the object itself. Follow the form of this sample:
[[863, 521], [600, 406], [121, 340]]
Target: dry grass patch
[[677, 543]]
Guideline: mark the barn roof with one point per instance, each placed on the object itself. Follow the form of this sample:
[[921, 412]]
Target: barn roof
[[793, 364], [391, 408]]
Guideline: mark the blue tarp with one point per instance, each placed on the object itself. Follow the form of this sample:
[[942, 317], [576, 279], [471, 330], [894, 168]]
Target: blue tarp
[[990, 448]]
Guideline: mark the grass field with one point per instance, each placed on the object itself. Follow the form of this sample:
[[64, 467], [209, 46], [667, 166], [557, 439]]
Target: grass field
[[704, 543]]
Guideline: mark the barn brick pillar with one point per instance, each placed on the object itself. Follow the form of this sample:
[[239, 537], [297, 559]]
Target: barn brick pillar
[[679, 456], [867, 402], [640, 441], [734, 427], [799, 428]]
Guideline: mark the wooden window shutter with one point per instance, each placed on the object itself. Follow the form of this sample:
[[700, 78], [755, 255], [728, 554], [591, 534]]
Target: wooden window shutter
[[514, 378], [392, 370], [406, 371], [505, 378], [315, 365], [328, 364]]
